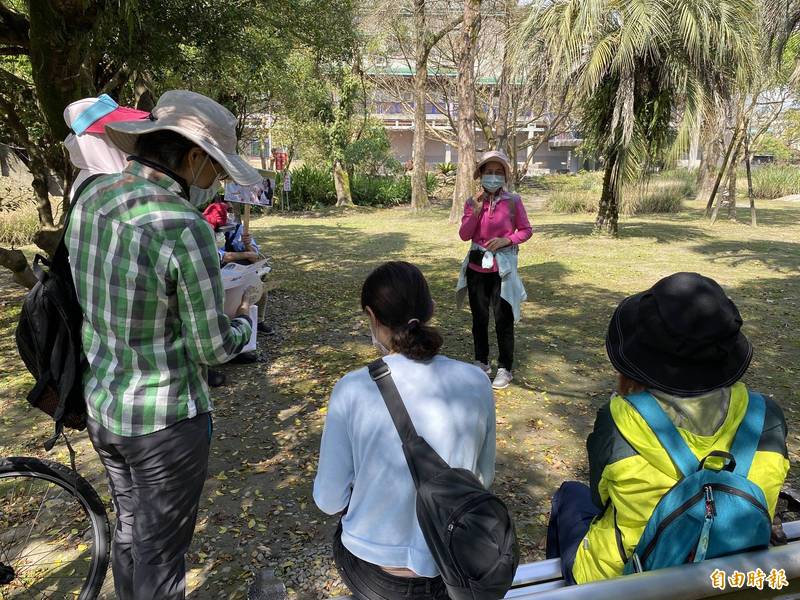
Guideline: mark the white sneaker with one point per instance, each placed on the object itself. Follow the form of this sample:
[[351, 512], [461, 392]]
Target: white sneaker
[[483, 367], [502, 379]]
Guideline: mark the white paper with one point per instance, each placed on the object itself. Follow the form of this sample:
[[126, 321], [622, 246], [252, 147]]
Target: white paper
[[251, 345], [235, 275]]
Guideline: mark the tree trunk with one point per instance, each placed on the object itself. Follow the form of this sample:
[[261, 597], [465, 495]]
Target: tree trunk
[[709, 160], [736, 143], [732, 177], [608, 208], [262, 154], [342, 182], [60, 43], [143, 94], [715, 212], [747, 159], [470, 29], [419, 184], [504, 126]]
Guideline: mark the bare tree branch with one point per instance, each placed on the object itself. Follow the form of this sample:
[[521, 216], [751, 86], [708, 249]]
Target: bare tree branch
[[15, 261], [13, 51]]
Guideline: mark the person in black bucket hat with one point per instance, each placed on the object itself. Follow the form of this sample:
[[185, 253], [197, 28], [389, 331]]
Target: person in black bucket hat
[[682, 336], [682, 343]]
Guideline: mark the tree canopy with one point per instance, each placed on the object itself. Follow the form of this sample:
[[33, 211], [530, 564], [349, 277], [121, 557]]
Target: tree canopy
[[642, 66]]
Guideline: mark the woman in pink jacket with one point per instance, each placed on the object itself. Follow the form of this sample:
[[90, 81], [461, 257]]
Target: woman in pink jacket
[[496, 222]]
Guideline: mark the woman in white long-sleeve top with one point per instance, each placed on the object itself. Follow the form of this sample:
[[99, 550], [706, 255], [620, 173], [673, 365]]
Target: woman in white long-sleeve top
[[379, 548]]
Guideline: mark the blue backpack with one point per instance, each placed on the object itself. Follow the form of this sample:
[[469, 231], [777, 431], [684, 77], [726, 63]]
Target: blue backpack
[[702, 515]]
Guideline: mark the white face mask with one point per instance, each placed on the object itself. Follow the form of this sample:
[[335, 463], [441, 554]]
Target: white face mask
[[375, 342], [199, 196]]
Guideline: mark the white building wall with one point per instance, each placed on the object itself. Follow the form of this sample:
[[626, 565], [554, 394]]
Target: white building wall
[[436, 152]]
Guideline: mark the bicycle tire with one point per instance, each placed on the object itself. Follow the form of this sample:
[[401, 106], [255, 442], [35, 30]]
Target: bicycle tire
[[84, 493]]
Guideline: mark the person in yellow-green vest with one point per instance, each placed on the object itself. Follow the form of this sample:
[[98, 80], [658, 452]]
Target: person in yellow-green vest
[[681, 341]]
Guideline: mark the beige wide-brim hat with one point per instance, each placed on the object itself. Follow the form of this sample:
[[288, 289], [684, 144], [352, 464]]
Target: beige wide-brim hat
[[197, 118], [493, 156]]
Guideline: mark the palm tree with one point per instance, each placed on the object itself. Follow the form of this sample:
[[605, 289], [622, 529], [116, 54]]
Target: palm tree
[[646, 70], [781, 23]]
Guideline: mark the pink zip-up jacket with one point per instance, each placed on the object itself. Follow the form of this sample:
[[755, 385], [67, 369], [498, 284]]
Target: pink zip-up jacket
[[495, 221]]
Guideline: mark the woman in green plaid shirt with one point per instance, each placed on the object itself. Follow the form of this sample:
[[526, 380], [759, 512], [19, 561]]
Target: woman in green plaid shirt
[[147, 276]]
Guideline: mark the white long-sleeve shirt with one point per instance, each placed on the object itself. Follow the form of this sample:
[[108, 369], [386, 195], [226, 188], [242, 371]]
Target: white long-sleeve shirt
[[362, 467]]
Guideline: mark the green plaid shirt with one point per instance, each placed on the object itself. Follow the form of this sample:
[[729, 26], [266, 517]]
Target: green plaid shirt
[[147, 275]]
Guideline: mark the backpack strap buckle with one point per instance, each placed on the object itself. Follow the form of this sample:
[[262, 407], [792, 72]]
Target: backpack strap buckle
[[379, 369], [729, 462]]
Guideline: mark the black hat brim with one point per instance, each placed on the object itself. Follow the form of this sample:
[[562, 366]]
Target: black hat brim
[[678, 376]]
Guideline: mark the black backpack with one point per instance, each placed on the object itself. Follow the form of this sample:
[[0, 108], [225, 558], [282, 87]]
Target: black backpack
[[49, 338], [468, 529]]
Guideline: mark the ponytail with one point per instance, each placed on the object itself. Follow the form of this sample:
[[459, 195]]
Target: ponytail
[[417, 341], [398, 295]]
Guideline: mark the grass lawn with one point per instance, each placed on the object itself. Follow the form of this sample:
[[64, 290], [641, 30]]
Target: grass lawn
[[258, 509]]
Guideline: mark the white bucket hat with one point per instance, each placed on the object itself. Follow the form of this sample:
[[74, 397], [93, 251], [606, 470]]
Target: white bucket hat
[[493, 156], [197, 118]]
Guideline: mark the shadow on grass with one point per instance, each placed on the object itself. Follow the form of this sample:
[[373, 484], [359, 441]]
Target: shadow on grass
[[769, 217], [330, 246], [778, 256], [570, 320], [662, 232], [321, 212], [770, 309]]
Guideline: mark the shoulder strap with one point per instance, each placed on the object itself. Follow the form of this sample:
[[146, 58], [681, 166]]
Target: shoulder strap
[[81, 188], [666, 432], [382, 376], [745, 443], [512, 209]]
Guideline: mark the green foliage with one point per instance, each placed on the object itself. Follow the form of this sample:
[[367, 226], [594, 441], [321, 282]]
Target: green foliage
[[788, 127], [653, 198], [371, 154], [19, 221], [580, 193], [310, 187], [385, 191], [771, 145], [570, 202], [313, 188], [772, 182], [644, 72], [447, 168], [582, 181]]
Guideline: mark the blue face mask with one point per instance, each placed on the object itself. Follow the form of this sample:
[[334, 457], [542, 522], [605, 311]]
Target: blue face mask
[[492, 183]]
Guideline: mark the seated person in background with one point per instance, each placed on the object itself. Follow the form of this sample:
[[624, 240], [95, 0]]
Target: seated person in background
[[216, 213], [680, 342], [240, 248], [379, 548]]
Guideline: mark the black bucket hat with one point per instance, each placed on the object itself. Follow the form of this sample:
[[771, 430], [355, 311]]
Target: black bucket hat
[[682, 336]]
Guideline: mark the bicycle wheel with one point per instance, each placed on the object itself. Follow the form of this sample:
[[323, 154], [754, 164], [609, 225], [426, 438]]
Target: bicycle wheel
[[54, 532]]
